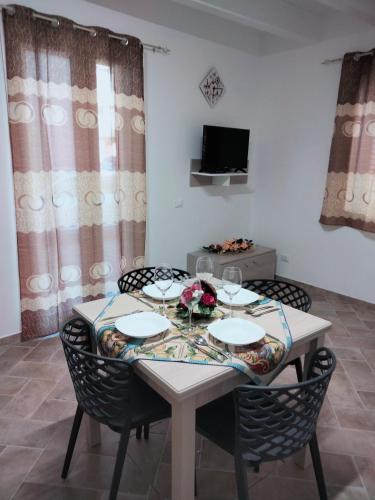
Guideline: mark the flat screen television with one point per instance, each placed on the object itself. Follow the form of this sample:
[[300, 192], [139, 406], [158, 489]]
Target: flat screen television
[[224, 149]]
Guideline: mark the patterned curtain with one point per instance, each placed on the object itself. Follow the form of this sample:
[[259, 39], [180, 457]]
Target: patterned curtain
[[350, 190], [77, 134]]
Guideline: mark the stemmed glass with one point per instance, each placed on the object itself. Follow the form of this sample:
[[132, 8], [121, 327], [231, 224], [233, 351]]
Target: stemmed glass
[[191, 296], [232, 283], [163, 279], [204, 268]]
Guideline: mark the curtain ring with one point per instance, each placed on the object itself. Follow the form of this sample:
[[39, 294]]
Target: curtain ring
[[93, 33], [125, 41], [55, 23]]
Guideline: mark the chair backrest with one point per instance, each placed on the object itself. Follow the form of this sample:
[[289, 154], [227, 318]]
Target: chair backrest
[[274, 422], [102, 385], [138, 278], [287, 293]]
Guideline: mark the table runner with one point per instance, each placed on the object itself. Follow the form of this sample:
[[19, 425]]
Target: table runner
[[261, 361]]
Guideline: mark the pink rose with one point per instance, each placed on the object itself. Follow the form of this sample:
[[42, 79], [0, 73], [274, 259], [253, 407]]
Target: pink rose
[[186, 296], [208, 300]]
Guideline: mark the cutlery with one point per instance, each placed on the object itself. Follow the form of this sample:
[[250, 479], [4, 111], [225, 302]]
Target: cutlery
[[164, 341], [121, 315], [258, 308], [198, 339], [262, 313], [196, 346]]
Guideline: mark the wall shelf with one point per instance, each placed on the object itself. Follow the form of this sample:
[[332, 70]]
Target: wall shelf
[[198, 178]]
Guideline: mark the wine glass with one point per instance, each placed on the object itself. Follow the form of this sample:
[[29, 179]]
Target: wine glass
[[232, 283], [163, 280], [192, 295], [204, 268]]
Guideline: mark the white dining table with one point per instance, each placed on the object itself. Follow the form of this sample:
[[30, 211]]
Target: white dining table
[[188, 386]]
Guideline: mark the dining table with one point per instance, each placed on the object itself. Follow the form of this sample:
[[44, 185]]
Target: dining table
[[188, 386]]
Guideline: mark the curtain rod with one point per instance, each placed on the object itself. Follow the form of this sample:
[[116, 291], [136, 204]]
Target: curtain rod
[[357, 56], [56, 22]]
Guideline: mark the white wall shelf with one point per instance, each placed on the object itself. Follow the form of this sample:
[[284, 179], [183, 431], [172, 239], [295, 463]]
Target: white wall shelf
[[198, 178]]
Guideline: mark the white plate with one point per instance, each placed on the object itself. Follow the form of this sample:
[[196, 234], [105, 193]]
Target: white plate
[[242, 298], [142, 325], [236, 331], [153, 291]]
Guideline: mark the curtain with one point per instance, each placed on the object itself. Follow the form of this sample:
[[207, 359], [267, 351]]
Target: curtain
[[350, 188], [76, 119]]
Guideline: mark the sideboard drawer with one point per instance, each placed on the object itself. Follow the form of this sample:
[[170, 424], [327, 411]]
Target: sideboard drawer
[[260, 267]]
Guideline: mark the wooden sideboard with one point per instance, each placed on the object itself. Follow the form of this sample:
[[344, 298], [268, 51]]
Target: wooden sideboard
[[257, 263]]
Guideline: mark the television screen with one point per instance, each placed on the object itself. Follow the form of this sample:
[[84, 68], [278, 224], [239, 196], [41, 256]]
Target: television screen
[[224, 149]]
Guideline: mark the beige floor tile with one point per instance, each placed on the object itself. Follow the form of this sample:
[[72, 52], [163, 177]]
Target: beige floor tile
[[356, 418], [368, 399], [346, 441], [15, 463], [28, 399], [341, 391], [360, 374], [10, 385], [10, 357], [64, 389], [353, 353], [53, 410], [37, 370], [366, 468], [283, 488], [338, 470], [34, 491], [347, 493], [20, 432]]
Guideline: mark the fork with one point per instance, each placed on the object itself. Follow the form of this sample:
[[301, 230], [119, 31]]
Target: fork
[[196, 346]]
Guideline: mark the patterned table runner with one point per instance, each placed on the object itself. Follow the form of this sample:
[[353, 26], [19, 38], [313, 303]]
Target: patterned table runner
[[261, 361]]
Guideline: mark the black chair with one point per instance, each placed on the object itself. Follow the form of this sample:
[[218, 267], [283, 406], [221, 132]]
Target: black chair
[[138, 278], [109, 392], [259, 424], [287, 293]]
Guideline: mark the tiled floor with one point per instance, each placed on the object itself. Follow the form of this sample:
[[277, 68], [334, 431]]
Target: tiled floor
[[37, 403]]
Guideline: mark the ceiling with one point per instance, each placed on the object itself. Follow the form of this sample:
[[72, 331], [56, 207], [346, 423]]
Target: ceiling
[[255, 26]]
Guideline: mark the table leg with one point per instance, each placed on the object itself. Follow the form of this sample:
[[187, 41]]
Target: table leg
[[92, 428], [183, 450], [303, 457]]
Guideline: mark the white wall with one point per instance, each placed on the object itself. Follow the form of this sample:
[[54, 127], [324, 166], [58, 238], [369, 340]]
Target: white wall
[[176, 111], [9, 289], [298, 100]]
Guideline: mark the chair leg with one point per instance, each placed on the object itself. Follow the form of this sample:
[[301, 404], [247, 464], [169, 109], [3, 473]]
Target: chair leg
[[138, 432], [315, 455], [241, 478], [72, 441], [120, 458], [146, 431], [298, 366]]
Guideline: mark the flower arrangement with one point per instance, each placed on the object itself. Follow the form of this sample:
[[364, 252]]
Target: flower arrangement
[[203, 295], [230, 246]]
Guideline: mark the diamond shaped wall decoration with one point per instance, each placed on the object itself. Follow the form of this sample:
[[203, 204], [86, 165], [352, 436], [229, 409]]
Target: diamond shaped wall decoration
[[212, 87]]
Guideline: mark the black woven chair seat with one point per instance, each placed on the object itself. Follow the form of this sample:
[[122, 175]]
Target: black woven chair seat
[[146, 406]]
